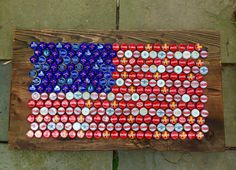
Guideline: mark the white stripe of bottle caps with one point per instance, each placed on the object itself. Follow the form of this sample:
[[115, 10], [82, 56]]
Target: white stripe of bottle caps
[[128, 82], [186, 54], [69, 110], [52, 96], [169, 98], [161, 69], [153, 68], [177, 69], [118, 111], [195, 127], [101, 111], [35, 96], [203, 98], [93, 126], [152, 127], [186, 83], [169, 112], [136, 54], [178, 127], [101, 126], [177, 83], [170, 55], [169, 68], [203, 84], [110, 127], [110, 111], [61, 110], [186, 112], [135, 111], [144, 82], [160, 97], [161, 54], [152, 112], [169, 83], [170, 127], [152, 83], [195, 98], [136, 68], [204, 113], [68, 126], [69, 96], [127, 96], [177, 97], [120, 68], [93, 111], [44, 96], [135, 127], [126, 126], [145, 68], [204, 54], [128, 54], [118, 126], [160, 83], [120, 53], [144, 54], [119, 96], [119, 82], [136, 82], [52, 111], [152, 97], [43, 126], [102, 96], [128, 68], [161, 127], [61, 96], [153, 54], [143, 126], [126, 111], [187, 69], [178, 55], [105, 118], [187, 127], [204, 128], [195, 69], [194, 84], [195, 54]]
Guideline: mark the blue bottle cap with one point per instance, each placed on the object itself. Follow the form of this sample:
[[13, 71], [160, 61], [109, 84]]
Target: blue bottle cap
[[102, 82], [83, 60], [83, 74], [92, 46], [38, 52], [53, 82], [111, 68], [99, 75], [61, 81], [75, 46], [79, 67], [40, 88], [107, 75], [45, 82], [32, 88], [33, 45], [65, 88], [96, 54], [104, 54], [99, 89], [71, 67], [83, 46], [37, 66], [103, 68], [100, 46], [112, 54], [82, 88], [107, 60], [99, 61], [50, 59], [66, 74], [54, 67], [69, 81], [49, 89], [87, 81], [42, 45], [33, 73], [108, 46], [91, 74], [95, 82], [91, 61], [87, 67], [67, 46], [46, 52], [59, 45], [55, 53], [51, 46], [96, 67], [71, 53], [42, 59], [45, 67], [59, 60], [111, 82], [87, 53], [74, 74], [57, 75], [90, 88], [79, 53], [107, 89], [74, 59], [62, 52], [57, 89], [74, 88], [66, 59], [33, 59], [62, 67], [41, 74], [78, 81], [49, 75]]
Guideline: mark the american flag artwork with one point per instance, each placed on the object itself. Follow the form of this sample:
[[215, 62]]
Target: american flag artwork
[[134, 91]]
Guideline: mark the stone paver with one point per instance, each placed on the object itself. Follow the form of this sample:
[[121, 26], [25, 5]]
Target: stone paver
[[229, 93], [184, 14], [147, 159], [5, 80], [32, 160], [52, 14]]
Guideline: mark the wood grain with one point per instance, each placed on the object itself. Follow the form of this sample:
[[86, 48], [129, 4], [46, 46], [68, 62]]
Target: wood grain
[[214, 141]]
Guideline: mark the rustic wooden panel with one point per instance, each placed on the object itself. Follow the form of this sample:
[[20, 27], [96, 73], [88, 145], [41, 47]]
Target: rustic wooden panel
[[214, 141]]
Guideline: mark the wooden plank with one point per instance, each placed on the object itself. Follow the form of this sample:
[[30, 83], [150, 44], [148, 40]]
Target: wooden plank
[[214, 141]]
